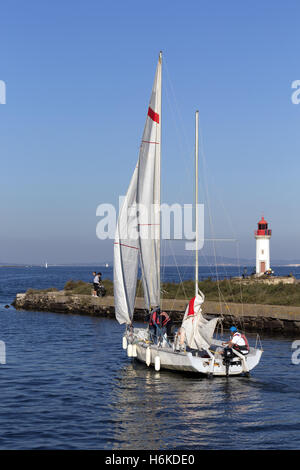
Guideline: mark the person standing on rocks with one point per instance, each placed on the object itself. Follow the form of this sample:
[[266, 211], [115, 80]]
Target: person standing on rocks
[[96, 283]]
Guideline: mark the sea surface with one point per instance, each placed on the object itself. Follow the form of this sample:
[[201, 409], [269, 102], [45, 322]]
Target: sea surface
[[67, 383]]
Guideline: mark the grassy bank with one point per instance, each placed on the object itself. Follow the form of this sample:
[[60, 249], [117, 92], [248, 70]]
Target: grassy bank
[[233, 291], [226, 290]]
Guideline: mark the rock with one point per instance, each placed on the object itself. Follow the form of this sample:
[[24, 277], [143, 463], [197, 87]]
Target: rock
[[6, 306]]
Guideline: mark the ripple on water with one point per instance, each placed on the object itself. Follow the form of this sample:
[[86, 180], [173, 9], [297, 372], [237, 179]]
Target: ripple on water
[[68, 384]]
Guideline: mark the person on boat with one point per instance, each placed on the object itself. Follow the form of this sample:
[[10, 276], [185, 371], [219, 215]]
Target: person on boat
[[167, 325], [95, 283], [179, 341], [238, 341]]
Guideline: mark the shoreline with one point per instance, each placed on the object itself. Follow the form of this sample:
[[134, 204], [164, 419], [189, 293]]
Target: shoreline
[[273, 319]]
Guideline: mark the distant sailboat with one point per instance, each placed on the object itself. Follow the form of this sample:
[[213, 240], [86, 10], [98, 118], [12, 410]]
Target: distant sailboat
[[46, 265], [197, 350]]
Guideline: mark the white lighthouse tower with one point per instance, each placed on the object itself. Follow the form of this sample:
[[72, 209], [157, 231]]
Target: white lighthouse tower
[[262, 236]]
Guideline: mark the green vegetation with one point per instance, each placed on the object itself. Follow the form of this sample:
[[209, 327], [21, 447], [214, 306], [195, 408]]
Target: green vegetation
[[41, 291], [233, 291], [78, 287], [226, 290], [81, 287]]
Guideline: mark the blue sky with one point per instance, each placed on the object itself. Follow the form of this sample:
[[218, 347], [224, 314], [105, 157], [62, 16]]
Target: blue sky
[[79, 76]]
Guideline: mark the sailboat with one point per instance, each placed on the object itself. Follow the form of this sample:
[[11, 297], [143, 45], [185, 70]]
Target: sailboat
[[137, 240]]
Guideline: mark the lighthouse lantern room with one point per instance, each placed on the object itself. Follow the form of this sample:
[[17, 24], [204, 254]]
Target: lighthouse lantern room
[[262, 236]]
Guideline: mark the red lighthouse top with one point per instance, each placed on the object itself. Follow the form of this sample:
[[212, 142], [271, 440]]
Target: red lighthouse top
[[262, 228]]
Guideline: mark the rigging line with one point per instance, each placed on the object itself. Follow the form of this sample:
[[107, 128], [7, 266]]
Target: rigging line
[[173, 116], [219, 292], [216, 239], [225, 211], [187, 142], [221, 295], [232, 228], [238, 262], [207, 264], [229, 221], [186, 148], [209, 209], [163, 250], [241, 292], [177, 119], [172, 89], [179, 114], [227, 278], [180, 281], [182, 151], [184, 154]]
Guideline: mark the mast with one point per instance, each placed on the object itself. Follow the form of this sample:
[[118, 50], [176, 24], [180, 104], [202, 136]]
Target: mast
[[196, 198], [159, 176]]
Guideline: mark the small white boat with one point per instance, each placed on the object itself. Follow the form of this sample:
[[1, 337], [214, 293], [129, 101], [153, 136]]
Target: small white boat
[[138, 240]]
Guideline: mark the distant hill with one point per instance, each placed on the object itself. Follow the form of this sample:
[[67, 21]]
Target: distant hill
[[182, 260], [179, 260]]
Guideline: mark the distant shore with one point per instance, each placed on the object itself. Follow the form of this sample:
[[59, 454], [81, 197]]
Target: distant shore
[[247, 264]]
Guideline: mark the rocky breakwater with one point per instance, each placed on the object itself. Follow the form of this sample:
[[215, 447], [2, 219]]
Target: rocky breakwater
[[271, 319], [64, 302]]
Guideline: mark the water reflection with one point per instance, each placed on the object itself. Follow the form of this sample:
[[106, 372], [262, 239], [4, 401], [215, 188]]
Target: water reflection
[[163, 410]]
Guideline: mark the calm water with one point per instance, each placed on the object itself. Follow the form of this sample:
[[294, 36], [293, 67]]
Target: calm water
[[67, 384]]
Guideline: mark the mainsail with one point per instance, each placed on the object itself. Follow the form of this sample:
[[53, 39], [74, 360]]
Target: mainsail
[[138, 227], [148, 196]]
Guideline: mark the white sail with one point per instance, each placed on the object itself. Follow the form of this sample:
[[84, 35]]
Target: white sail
[[198, 331], [148, 196], [126, 252], [138, 227]]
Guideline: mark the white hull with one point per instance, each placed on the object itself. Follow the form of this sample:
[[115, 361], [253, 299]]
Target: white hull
[[211, 365]]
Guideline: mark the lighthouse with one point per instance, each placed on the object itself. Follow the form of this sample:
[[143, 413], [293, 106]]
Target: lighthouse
[[262, 236]]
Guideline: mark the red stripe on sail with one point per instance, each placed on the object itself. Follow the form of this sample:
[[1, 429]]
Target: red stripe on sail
[[153, 115], [127, 246]]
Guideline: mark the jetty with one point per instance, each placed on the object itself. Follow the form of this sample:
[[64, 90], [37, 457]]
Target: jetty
[[272, 319]]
